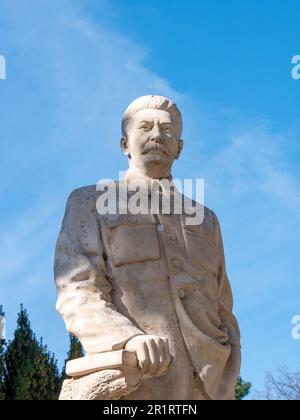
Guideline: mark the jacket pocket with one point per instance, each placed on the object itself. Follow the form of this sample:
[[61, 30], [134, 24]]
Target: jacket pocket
[[133, 239]]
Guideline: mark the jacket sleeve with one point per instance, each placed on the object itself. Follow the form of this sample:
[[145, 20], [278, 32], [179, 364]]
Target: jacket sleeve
[[229, 322], [83, 288]]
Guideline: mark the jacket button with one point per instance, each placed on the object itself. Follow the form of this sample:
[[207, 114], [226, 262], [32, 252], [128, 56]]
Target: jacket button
[[181, 293], [160, 228], [177, 263]]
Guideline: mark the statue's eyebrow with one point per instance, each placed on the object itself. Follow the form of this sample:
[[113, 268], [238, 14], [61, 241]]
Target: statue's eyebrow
[[163, 122], [146, 122]]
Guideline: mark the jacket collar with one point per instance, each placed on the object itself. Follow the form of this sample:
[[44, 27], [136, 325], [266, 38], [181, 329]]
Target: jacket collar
[[163, 185]]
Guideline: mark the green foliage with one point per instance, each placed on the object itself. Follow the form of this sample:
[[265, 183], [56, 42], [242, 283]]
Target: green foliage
[[75, 351], [2, 363], [242, 389], [31, 370]]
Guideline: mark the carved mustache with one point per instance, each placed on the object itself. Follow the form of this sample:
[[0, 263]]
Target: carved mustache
[[155, 146]]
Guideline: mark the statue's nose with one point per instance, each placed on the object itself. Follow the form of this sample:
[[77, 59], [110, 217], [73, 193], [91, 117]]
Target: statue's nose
[[156, 135]]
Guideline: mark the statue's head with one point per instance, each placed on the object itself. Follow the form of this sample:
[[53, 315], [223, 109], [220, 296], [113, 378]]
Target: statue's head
[[151, 135]]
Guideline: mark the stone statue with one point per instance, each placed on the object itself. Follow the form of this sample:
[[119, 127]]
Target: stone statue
[[146, 294]]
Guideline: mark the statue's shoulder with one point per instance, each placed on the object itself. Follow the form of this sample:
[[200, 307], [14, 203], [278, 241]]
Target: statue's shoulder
[[88, 194], [94, 190], [210, 214], [81, 194], [209, 220]]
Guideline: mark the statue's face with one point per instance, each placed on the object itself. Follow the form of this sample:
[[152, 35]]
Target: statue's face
[[152, 140]]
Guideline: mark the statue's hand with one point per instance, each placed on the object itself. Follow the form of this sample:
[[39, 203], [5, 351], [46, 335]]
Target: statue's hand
[[153, 353]]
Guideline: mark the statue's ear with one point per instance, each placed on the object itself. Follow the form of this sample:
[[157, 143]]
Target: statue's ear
[[180, 147], [124, 146]]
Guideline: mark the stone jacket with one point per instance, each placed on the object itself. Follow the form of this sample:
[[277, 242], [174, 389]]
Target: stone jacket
[[119, 276]]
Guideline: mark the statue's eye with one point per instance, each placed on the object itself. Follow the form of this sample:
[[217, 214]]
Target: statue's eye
[[145, 128]]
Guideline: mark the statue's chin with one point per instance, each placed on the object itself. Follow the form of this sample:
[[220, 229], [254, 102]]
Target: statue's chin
[[156, 168], [153, 164], [155, 156]]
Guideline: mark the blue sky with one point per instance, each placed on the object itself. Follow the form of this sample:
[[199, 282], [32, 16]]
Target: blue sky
[[73, 66]]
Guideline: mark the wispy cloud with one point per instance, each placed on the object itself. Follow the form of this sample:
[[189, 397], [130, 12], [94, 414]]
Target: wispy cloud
[[69, 80], [254, 161]]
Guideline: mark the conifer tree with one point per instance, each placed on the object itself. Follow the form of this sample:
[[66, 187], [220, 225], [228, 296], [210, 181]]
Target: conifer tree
[[2, 357], [75, 351], [31, 370], [44, 377], [242, 389]]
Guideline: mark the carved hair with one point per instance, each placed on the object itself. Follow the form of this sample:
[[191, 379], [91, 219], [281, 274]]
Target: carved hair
[[153, 102]]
